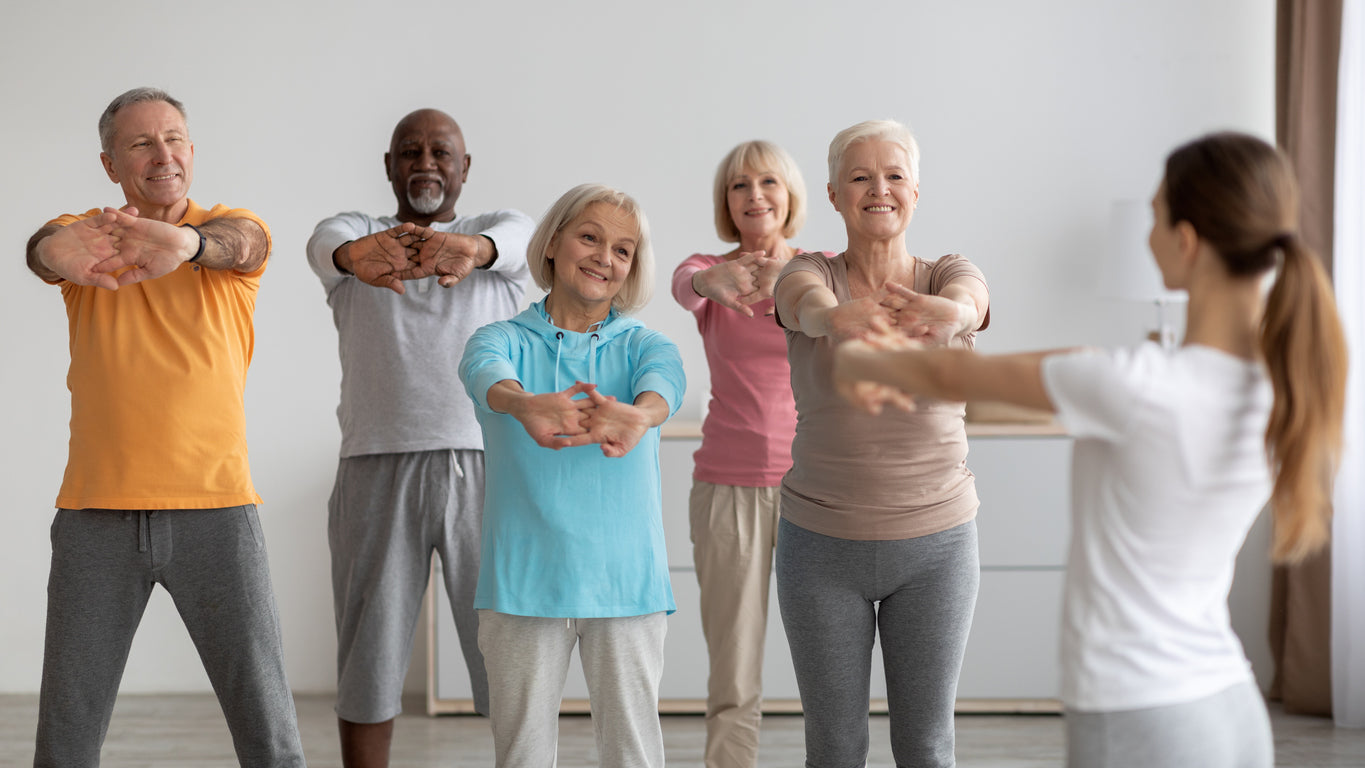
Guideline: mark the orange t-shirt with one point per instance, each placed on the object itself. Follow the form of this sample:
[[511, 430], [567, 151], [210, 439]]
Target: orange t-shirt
[[158, 372]]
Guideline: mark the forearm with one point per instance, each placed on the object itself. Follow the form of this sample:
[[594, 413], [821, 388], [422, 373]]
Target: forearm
[[957, 375], [33, 254], [232, 243], [811, 312], [971, 303], [507, 396], [488, 252], [653, 407], [684, 287]]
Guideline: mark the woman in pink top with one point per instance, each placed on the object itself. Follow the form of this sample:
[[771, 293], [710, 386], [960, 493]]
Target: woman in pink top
[[760, 201]]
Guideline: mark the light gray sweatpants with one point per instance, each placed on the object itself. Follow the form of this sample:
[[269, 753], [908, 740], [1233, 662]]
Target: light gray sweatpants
[[528, 658], [213, 563], [918, 595], [1229, 729]]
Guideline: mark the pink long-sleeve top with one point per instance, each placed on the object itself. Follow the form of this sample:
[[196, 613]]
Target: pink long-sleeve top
[[747, 434]]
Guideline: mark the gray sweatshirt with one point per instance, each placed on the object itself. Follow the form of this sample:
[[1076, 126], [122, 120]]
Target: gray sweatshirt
[[400, 354]]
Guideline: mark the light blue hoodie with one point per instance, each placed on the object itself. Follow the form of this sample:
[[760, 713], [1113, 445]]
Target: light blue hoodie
[[571, 533]]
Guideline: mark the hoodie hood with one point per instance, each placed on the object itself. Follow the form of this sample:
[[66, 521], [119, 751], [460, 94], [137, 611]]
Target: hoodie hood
[[564, 343]]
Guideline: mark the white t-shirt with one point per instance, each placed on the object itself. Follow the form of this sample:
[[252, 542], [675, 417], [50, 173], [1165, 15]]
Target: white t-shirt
[[1168, 474]]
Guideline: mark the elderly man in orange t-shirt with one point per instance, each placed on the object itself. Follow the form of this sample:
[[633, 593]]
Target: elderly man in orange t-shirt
[[159, 295]]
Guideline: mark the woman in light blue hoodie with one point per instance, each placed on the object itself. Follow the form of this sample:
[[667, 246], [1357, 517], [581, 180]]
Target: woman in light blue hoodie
[[570, 394]]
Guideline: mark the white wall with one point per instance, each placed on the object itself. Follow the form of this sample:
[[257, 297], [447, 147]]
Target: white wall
[[1032, 118]]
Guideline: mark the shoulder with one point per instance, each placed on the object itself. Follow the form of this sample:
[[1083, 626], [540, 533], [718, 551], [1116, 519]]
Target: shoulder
[[356, 223], [72, 218], [501, 217], [946, 269]]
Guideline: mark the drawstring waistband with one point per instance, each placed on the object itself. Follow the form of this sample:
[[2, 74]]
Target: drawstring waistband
[[143, 535]]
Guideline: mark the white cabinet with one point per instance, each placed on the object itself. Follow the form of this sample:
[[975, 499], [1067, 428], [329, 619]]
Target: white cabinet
[[1011, 664]]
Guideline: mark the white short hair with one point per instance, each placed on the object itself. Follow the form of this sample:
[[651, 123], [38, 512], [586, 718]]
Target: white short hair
[[882, 130]]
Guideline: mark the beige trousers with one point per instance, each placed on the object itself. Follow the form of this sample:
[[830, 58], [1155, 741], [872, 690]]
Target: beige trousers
[[734, 531]]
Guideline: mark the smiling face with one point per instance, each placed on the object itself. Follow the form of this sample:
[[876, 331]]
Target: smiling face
[[758, 203], [427, 166], [591, 256], [875, 191], [152, 158]]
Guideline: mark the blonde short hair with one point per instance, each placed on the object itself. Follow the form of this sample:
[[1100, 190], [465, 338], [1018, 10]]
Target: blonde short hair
[[881, 130], [639, 284], [762, 156]]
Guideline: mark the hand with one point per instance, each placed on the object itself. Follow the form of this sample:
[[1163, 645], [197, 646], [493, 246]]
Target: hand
[[767, 268], [148, 247], [383, 259], [853, 358], [738, 283], [858, 318], [451, 256], [924, 317], [556, 419], [75, 251], [615, 425]]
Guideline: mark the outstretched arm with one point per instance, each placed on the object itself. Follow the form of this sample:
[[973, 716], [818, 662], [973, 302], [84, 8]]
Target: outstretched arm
[[152, 248], [945, 374]]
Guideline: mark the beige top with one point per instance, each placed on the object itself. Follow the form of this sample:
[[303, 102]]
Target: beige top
[[856, 476]]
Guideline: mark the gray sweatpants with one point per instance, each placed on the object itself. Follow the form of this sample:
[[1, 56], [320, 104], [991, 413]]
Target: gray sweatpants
[[528, 659], [918, 594], [1229, 729], [388, 513], [213, 563]]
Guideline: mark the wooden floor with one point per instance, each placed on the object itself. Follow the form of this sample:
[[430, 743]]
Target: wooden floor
[[164, 731]]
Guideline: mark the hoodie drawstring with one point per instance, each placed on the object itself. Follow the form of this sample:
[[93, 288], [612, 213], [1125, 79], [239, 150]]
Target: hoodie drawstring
[[592, 358], [559, 347]]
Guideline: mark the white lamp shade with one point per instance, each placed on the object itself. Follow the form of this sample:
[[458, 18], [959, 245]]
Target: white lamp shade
[[1130, 272]]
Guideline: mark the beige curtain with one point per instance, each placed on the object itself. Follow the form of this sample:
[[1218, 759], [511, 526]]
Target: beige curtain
[[1308, 45]]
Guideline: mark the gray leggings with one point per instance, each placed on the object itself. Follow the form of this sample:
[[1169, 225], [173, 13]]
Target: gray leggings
[[836, 595], [1229, 729]]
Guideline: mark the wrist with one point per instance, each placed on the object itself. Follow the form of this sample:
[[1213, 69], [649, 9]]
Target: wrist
[[197, 244], [488, 252], [341, 258]]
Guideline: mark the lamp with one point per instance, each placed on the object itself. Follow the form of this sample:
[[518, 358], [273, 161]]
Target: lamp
[[1130, 273]]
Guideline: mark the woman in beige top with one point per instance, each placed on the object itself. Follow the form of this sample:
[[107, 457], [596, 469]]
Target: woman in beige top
[[878, 530]]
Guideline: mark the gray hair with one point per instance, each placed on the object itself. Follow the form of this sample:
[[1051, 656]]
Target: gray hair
[[883, 130], [127, 99], [639, 283]]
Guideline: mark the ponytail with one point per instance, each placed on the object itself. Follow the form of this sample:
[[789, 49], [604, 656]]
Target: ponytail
[[1305, 352]]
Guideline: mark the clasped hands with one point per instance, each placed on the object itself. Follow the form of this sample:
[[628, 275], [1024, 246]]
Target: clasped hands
[[739, 283], [564, 420], [89, 251], [893, 318], [409, 252]]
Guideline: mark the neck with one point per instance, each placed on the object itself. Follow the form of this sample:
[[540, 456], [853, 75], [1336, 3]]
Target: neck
[[575, 316], [171, 214], [424, 219], [1225, 313], [876, 261], [772, 244]]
